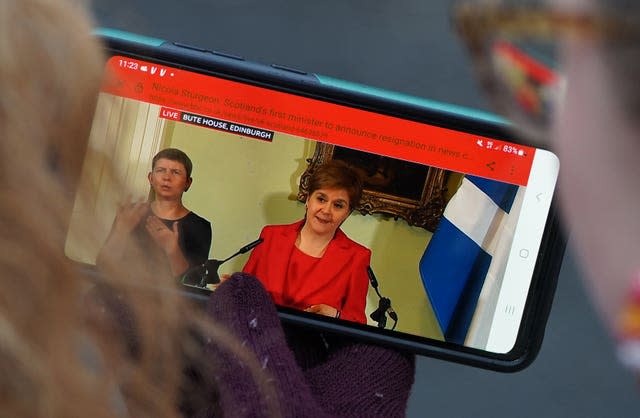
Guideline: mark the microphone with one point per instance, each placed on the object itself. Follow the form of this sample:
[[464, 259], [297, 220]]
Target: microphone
[[373, 281], [207, 272], [384, 304]]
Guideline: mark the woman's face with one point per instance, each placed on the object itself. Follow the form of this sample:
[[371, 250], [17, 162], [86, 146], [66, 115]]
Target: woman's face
[[326, 210], [169, 179]]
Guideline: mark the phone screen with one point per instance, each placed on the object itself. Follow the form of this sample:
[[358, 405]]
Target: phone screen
[[454, 220]]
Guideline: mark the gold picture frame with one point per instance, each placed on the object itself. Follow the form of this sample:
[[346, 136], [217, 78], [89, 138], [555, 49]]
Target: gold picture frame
[[392, 187]]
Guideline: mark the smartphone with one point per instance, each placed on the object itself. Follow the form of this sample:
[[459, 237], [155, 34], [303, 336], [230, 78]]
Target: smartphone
[[459, 216]]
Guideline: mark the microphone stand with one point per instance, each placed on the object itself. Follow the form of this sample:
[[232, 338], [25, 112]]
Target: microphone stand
[[207, 273], [384, 305]]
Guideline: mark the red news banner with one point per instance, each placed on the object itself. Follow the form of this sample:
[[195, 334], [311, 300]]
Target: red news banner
[[258, 112]]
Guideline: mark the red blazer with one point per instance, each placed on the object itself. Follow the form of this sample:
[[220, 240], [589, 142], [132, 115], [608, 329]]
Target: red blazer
[[339, 279]]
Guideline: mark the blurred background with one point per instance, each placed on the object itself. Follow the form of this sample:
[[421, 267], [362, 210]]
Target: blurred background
[[407, 46]]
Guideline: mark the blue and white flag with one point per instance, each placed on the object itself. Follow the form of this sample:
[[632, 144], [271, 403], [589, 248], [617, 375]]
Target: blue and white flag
[[460, 254]]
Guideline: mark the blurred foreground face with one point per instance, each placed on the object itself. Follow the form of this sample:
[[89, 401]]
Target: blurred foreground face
[[598, 143], [564, 72]]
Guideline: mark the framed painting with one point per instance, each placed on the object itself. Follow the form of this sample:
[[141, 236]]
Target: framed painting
[[392, 187]]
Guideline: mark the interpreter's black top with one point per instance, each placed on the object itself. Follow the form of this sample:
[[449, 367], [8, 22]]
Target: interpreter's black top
[[194, 237]]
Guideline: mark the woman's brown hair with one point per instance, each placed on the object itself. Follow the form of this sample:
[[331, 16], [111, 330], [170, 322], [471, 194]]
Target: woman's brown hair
[[336, 174]]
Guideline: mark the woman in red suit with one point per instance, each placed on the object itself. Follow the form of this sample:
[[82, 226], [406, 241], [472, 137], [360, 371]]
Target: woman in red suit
[[312, 265]]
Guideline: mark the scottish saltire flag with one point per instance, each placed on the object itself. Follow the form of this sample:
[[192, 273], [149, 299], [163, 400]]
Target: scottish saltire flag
[[461, 252]]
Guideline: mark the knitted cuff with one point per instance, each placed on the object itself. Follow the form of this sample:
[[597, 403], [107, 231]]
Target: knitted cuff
[[245, 308], [360, 380]]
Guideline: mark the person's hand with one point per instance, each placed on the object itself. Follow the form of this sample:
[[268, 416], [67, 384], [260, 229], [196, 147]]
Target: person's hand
[[129, 214], [167, 239], [323, 309]]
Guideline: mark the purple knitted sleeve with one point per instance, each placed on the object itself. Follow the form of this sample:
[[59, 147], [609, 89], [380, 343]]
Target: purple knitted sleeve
[[242, 304], [360, 380], [347, 380]]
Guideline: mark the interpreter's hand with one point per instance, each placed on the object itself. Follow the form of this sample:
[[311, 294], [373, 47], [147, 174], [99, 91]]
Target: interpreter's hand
[[323, 309], [128, 217], [129, 214], [166, 238]]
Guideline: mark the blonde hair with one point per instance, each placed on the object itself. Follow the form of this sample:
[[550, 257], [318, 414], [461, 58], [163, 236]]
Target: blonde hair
[[58, 358]]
